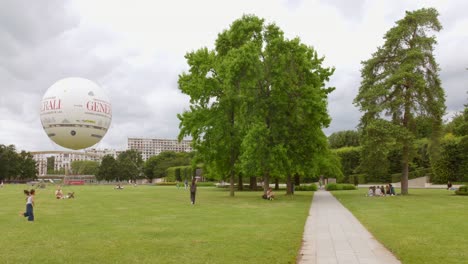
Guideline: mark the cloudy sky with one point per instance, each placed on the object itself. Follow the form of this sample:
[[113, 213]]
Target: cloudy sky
[[135, 51]]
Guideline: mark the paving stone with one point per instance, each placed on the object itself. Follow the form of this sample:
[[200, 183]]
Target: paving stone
[[332, 235]]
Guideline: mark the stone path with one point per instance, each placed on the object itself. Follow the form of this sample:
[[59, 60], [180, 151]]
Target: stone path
[[333, 235]]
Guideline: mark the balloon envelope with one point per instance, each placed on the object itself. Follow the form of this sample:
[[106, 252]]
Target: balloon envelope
[[75, 113]]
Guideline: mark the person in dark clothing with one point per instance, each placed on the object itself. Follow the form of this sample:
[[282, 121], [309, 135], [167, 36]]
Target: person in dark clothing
[[193, 190]]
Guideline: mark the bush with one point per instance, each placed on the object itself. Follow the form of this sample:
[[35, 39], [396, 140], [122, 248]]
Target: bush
[[206, 184], [357, 179], [421, 172], [167, 184], [463, 190], [339, 187], [312, 187]]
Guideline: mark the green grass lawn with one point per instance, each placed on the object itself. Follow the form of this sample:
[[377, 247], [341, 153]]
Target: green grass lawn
[[148, 224], [427, 226]]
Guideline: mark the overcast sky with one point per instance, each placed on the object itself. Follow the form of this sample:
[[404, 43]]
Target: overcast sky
[[135, 51]]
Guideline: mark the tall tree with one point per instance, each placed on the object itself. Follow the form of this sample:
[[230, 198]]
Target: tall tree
[[258, 103], [108, 169], [156, 166], [215, 83], [130, 164], [399, 83], [345, 138], [84, 167], [9, 163], [27, 166]]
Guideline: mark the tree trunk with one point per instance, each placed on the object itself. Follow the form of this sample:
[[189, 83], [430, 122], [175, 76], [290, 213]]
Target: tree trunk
[[253, 183], [404, 175], [288, 185], [266, 182], [297, 179], [276, 184], [231, 182], [240, 184], [406, 147]]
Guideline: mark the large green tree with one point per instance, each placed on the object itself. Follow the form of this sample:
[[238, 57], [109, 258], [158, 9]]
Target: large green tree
[[108, 169], [130, 165], [27, 166], [84, 167], [399, 83], [156, 166], [345, 138], [9, 166], [258, 103], [16, 166]]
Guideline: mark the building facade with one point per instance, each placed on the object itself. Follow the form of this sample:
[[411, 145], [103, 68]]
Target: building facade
[[64, 159], [149, 147]]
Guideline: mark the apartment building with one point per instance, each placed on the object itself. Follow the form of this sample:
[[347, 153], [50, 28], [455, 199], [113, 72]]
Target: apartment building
[[149, 147]]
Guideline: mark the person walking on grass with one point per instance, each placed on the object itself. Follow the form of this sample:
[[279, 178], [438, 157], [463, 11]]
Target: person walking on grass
[[193, 190], [29, 204]]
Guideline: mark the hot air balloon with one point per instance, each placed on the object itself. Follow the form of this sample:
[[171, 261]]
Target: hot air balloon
[[75, 113]]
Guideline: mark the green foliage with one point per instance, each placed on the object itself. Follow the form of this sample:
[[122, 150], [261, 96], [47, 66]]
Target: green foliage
[[206, 184], [130, 165], [108, 169], [311, 187], [50, 164], [26, 166], [346, 138], [16, 166], [339, 187], [350, 158], [459, 124], [158, 166], [400, 84], [452, 162], [462, 190], [84, 167], [330, 165], [185, 172], [258, 104], [420, 172], [357, 179], [167, 183]]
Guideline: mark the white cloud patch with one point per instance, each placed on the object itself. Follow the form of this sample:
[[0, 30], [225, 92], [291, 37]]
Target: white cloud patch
[[135, 51]]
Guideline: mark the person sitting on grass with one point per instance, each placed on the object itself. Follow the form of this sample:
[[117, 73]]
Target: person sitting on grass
[[270, 194], [370, 192], [119, 187], [392, 190], [59, 193], [378, 192]]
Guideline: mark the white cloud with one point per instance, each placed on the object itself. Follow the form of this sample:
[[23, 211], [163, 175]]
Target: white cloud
[[135, 51]]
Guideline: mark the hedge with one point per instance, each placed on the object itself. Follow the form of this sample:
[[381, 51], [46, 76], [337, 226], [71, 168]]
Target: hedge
[[463, 190], [339, 187], [357, 179], [396, 177], [312, 187]]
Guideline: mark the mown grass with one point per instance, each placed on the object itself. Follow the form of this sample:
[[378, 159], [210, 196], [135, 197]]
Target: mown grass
[[149, 224], [425, 227]]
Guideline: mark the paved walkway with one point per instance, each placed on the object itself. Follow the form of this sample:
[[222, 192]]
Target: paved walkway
[[333, 235]]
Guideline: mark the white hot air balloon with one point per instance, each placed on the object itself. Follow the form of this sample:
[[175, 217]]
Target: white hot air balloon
[[75, 113]]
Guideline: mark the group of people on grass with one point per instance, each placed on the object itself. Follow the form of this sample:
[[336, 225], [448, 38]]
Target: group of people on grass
[[388, 190], [59, 194]]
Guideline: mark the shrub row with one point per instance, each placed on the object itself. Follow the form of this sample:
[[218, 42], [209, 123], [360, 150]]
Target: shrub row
[[199, 184], [339, 187], [463, 190], [396, 177], [312, 187]]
